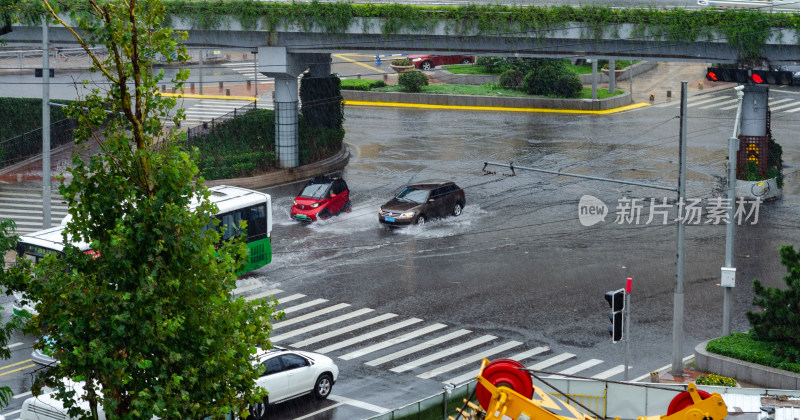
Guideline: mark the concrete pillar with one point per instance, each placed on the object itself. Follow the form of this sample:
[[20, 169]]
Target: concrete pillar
[[285, 67], [286, 141], [754, 110]]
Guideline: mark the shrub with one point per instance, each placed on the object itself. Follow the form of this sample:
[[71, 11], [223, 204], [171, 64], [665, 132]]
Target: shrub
[[511, 79], [744, 346], [362, 84], [547, 77], [492, 64], [568, 85], [412, 81], [401, 62], [716, 380]]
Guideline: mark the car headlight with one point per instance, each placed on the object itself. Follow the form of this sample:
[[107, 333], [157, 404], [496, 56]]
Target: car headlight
[[380, 210], [416, 59], [315, 205], [295, 203], [407, 214]]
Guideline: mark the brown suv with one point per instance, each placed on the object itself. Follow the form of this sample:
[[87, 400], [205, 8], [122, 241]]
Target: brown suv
[[417, 203]]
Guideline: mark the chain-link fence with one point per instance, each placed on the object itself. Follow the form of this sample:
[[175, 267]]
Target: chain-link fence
[[29, 144]]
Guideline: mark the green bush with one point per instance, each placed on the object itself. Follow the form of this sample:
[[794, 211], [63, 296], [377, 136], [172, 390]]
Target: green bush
[[716, 380], [551, 77], [511, 79], [361, 84], [401, 62], [493, 65], [568, 85], [744, 346], [413, 81]]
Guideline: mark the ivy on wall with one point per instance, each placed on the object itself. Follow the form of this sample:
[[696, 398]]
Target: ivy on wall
[[746, 30]]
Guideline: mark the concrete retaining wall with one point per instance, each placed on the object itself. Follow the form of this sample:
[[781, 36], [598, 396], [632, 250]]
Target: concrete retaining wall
[[326, 166], [488, 101], [744, 371]]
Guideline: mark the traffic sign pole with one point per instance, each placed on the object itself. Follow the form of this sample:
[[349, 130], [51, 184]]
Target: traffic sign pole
[[628, 286]]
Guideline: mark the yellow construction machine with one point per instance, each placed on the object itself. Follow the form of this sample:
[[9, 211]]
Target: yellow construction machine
[[505, 391]]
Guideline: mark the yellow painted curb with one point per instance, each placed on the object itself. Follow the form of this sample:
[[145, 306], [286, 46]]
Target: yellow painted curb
[[496, 108], [191, 95]]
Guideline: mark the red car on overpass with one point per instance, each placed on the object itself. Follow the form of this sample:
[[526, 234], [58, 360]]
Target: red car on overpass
[[428, 62]]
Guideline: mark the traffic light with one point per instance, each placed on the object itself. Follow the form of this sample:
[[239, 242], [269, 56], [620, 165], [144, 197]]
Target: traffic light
[[616, 299], [758, 77]]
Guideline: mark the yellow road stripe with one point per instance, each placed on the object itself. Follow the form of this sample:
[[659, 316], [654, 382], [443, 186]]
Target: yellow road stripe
[[191, 95], [17, 370], [358, 62], [496, 108], [15, 364]]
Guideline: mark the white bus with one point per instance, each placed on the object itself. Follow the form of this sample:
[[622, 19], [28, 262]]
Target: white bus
[[235, 204]]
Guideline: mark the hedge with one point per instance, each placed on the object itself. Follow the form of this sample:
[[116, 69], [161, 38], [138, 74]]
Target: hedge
[[743, 347]]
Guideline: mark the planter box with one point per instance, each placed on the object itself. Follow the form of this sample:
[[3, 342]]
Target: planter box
[[401, 69], [766, 189]]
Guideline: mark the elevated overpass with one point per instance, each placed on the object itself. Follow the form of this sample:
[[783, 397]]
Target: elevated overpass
[[295, 43]]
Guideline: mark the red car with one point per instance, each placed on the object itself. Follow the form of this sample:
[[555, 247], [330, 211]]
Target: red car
[[321, 198], [428, 62]]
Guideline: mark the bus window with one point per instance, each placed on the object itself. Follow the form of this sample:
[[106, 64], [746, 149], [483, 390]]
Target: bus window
[[257, 222]]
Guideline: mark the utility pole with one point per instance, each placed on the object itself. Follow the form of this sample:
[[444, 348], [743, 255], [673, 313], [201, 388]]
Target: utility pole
[[45, 127], [729, 271], [628, 287], [201, 70], [677, 315]]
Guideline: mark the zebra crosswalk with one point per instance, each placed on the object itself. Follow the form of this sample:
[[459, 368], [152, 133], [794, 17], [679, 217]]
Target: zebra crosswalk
[[248, 70], [208, 109], [405, 345], [24, 206], [725, 102]]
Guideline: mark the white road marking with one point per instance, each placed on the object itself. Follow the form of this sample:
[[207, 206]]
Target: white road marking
[[518, 357], [263, 294], [552, 361], [443, 353], [426, 345], [616, 370], [580, 366], [314, 314], [291, 298], [304, 305], [341, 331], [359, 404], [392, 342], [468, 360], [323, 324], [369, 335]]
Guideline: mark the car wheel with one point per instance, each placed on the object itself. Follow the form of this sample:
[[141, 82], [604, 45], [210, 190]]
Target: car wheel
[[324, 215], [421, 219], [323, 387], [466, 61], [348, 207], [426, 65], [457, 209], [259, 410]]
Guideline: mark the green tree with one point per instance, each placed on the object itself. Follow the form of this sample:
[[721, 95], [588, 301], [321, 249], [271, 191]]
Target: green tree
[[779, 319], [147, 323], [15, 322]]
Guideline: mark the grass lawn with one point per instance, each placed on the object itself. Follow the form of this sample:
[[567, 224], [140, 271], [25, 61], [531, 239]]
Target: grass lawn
[[475, 69], [491, 89]]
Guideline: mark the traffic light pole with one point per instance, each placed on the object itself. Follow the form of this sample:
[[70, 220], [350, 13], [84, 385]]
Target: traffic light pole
[[729, 270]]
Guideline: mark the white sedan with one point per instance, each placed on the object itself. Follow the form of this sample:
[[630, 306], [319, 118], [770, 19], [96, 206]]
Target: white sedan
[[289, 373]]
